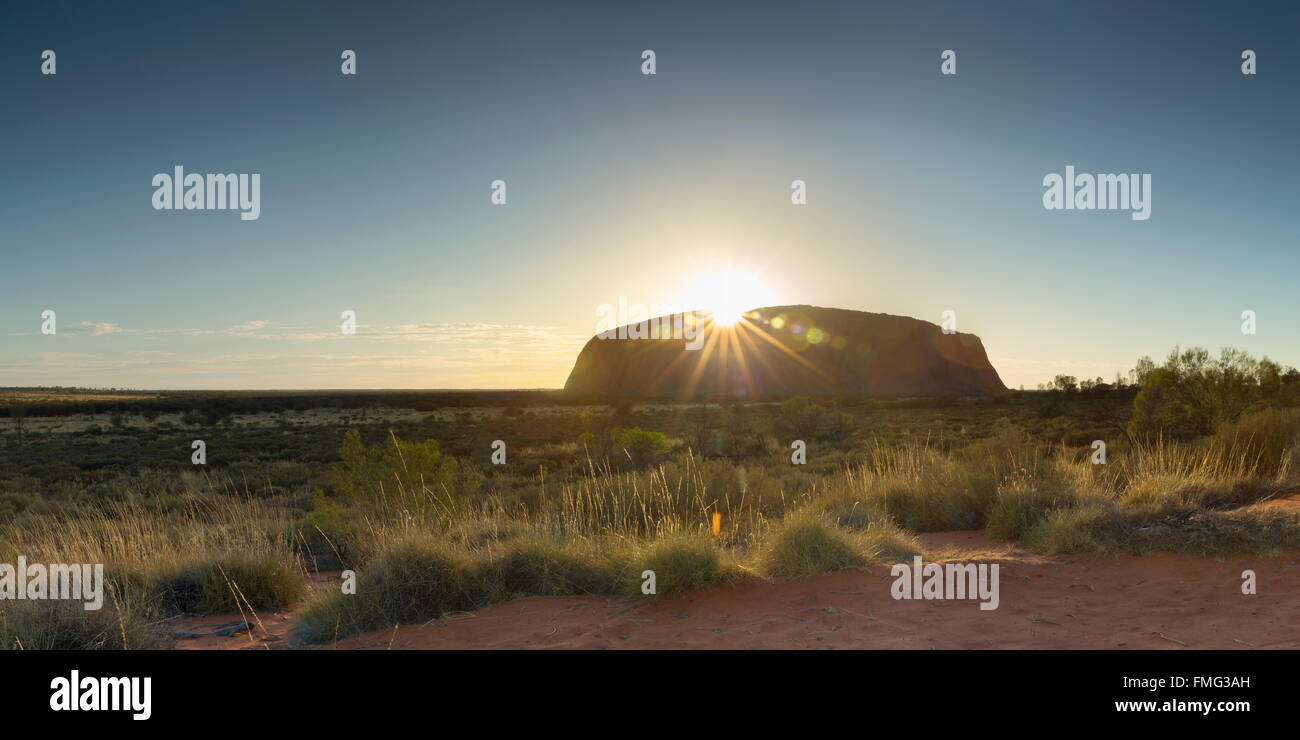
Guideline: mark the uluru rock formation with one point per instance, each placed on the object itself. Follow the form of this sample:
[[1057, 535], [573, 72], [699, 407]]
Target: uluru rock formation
[[786, 351]]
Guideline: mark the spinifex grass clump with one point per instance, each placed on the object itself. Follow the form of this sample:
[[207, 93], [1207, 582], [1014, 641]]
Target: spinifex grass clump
[[682, 562], [808, 542], [66, 625], [415, 579], [218, 554], [804, 544], [1024, 501]]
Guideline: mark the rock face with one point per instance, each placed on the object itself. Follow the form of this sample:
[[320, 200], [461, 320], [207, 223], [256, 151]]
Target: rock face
[[787, 351]]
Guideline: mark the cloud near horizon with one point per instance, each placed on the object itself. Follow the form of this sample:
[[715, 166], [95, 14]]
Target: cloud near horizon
[[426, 355]]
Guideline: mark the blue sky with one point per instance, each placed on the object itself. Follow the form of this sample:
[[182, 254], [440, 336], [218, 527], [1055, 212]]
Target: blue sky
[[924, 190]]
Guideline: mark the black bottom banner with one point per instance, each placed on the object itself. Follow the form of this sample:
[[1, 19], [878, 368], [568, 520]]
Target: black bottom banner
[[300, 689]]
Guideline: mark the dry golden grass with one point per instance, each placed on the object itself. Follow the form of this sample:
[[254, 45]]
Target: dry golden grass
[[423, 549], [209, 554]]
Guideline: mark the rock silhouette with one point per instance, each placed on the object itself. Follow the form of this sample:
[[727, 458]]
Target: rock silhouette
[[785, 351]]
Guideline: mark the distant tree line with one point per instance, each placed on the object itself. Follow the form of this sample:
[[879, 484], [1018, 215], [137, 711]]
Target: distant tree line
[[222, 404], [1193, 393]]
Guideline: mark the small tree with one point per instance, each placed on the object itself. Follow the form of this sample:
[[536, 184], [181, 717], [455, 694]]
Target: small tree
[[1138, 375], [19, 414], [1066, 383], [394, 468]]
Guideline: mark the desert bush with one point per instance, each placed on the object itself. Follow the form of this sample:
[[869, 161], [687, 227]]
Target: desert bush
[[801, 416]]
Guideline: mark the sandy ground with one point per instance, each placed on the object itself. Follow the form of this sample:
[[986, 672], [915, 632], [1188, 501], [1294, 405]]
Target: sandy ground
[[1162, 601]]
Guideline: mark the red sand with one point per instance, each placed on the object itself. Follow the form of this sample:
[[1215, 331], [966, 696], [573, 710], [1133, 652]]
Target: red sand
[[1088, 602]]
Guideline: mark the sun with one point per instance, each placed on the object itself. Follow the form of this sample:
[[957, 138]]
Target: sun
[[730, 294]]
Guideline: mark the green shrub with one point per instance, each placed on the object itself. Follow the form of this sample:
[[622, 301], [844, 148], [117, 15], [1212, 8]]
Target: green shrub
[[411, 474], [641, 447]]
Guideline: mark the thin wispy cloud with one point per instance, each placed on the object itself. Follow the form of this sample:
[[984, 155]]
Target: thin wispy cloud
[[100, 328]]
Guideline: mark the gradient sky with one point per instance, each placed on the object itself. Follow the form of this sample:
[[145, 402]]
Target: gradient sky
[[924, 191]]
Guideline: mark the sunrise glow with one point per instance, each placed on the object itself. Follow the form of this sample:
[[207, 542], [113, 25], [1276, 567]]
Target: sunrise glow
[[729, 294]]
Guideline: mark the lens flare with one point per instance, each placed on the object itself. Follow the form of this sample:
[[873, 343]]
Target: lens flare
[[730, 294]]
